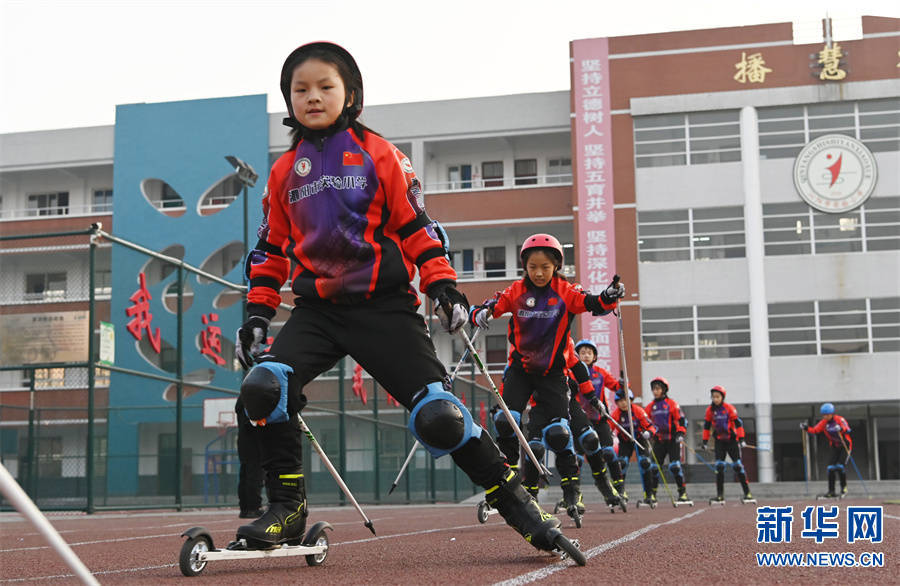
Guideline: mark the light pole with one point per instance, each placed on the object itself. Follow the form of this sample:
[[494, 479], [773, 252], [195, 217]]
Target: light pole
[[247, 176]]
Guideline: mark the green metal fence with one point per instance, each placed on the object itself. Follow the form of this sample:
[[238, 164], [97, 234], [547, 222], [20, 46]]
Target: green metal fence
[[61, 421]]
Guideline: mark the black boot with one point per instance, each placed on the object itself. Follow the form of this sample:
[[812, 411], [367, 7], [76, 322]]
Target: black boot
[[619, 487], [831, 478], [522, 513], [285, 519], [571, 488], [608, 492], [843, 476], [720, 487]]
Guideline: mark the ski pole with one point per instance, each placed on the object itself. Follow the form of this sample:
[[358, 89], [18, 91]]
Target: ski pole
[[337, 477], [622, 366], [662, 475], [415, 445], [626, 434], [544, 472], [852, 461], [699, 457]]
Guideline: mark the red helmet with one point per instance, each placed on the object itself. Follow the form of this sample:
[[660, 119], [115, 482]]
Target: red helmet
[[717, 389], [542, 241], [661, 381]]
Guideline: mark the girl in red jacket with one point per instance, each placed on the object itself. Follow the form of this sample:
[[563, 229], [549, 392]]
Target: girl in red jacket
[[836, 429], [543, 304], [729, 430], [345, 207]]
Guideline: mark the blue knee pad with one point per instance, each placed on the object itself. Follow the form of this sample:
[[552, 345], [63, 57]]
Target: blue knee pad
[[675, 468], [590, 441], [738, 467], [720, 465], [609, 455], [837, 467], [501, 423], [623, 463], [441, 422], [558, 437], [537, 446], [645, 463], [264, 393]]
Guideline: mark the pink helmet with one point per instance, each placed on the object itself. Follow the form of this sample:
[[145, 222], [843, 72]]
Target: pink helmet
[[718, 389], [542, 241]]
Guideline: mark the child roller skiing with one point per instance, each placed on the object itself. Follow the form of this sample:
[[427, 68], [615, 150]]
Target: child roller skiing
[[543, 304], [345, 206], [723, 419], [669, 438], [837, 431], [643, 430], [587, 386]]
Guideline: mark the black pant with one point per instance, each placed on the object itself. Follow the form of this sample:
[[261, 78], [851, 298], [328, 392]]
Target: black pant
[[672, 450], [390, 341], [250, 475]]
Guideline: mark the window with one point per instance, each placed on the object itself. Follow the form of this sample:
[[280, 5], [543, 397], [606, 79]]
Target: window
[[721, 331], [459, 176], [103, 282], [494, 261], [784, 130], [692, 234], [45, 286], [102, 201], [463, 262], [492, 173], [796, 228], [526, 171], [495, 349], [47, 378], [221, 194], [48, 204], [845, 326], [559, 170], [49, 457], [170, 198], [687, 139]]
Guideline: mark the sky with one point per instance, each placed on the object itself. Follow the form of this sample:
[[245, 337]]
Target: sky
[[66, 64]]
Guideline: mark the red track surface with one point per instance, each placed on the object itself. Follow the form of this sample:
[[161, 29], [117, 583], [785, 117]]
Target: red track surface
[[428, 544]]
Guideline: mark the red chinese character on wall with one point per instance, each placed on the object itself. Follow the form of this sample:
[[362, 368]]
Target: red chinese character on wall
[[210, 340], [141, 316]]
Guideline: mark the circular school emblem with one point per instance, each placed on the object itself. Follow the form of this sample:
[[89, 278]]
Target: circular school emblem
[[835, 173], [303, 167], [406, 165], [530, 302]]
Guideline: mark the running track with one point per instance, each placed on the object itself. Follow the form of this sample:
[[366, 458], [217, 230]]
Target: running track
[[446, 544]]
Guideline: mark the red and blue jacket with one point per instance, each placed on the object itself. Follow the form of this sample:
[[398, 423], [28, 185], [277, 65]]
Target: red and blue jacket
[[724, 419], [638, 415], [667, 416], [349, 213], [541, 319], [833, 430]]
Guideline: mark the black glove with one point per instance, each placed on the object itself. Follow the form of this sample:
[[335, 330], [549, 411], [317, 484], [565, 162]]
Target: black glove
[[250, 340], [450, 306], [679, 438], [614, 292], [704, 446], [804, 425], [596, 404], [742, 443]]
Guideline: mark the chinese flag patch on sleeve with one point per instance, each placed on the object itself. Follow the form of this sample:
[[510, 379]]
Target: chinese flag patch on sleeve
[[353, 158]]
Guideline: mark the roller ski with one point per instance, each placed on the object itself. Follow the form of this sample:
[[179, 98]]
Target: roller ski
[[747, 499], [572, 500], [523, 514], [198, 549], [484, 511], [613, 499], [649, 500], [717, 500], [682, 500], [617, 502], [829, 496]]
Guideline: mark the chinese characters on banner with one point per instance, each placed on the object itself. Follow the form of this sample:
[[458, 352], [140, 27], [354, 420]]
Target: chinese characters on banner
[[592, 129]]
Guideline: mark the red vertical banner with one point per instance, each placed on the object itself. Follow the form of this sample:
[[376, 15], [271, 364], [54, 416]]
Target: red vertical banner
[[592, 165]]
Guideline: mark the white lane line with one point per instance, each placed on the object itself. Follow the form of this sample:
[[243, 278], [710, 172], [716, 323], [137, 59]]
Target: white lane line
[[105, 572], [422, 532], [549, 570], [892, 517]]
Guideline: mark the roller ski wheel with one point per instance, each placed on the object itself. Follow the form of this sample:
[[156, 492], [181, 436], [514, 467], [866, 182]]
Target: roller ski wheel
[[482, 512], [687, 503], [192, 550], [316, 537], [559, 506], [576, 515], [714, 502], [569, 548]]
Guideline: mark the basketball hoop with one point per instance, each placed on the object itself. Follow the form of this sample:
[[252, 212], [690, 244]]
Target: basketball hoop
[[226, 419]]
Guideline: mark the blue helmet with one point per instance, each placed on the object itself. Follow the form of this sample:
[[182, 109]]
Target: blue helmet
[[620, 394], [587, 342], [826, 409]]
